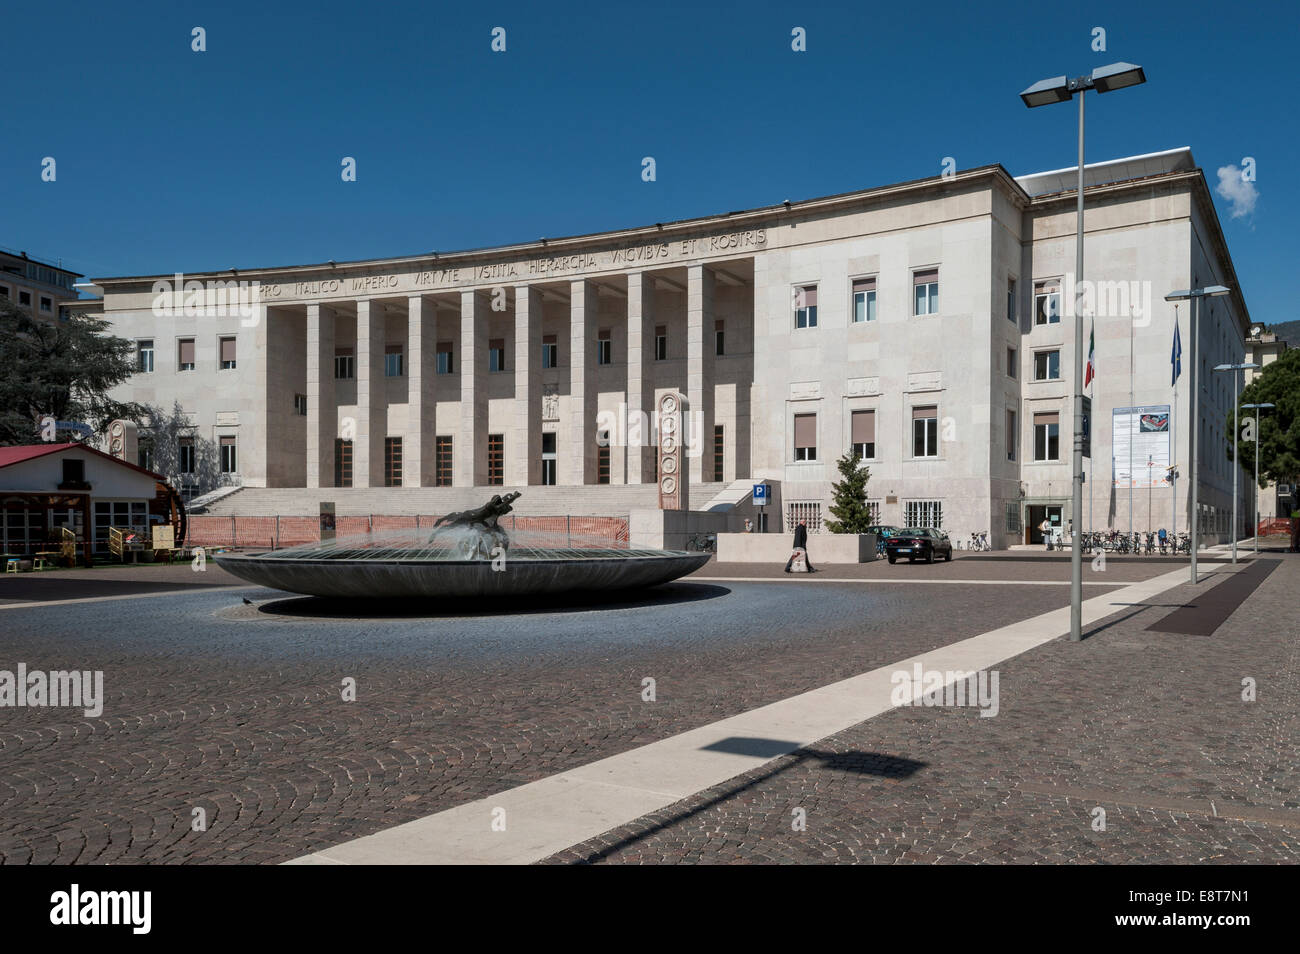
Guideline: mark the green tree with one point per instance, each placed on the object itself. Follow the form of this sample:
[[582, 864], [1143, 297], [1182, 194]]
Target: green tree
[[849, 506], [162, 440], [60, 368], [1279, 426]]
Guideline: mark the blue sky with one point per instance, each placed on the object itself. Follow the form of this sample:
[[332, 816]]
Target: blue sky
[[172, 160]]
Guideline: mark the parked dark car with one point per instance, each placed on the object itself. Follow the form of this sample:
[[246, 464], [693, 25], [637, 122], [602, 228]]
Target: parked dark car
[[918, 542]]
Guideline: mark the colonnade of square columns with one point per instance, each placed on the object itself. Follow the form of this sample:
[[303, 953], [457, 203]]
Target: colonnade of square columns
[[429, 319]]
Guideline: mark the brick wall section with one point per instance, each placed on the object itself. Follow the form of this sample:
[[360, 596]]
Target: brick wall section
[[267, 532]]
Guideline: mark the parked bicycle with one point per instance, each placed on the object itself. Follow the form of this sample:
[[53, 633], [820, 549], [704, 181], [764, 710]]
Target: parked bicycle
[[703, 542], [979, 540]]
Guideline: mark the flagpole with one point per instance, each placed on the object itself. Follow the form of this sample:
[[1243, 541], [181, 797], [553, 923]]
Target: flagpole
[[1173, 429]]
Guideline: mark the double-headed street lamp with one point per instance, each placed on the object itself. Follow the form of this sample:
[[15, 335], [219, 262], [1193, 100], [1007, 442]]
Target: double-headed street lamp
[[1236, 466], [1060, 89], [1255, 407], [1194, 295]]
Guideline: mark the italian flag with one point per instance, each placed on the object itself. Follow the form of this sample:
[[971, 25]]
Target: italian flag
[[1091, 371]]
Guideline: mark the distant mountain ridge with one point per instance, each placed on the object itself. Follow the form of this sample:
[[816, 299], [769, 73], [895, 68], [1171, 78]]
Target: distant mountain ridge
[[1288, 331]]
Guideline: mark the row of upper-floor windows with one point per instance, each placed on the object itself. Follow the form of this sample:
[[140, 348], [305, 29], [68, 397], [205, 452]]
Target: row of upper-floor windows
[[24, 298], [924, 437], [864, 302], [41, 273], [345, 366], [185, 354]]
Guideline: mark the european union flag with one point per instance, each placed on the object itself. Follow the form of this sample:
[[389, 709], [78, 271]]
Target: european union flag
[[1176, 356]]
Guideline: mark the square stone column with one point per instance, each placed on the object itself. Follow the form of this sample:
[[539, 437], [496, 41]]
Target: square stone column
[[699, 371], [322, 414], [577, 455], [372, 406], [640, 392], [524, 450], [417, 449], [470, 446]]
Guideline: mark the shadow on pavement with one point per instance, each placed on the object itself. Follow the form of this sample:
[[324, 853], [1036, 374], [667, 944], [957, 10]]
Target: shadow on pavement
[[862, 763], [317, 607]]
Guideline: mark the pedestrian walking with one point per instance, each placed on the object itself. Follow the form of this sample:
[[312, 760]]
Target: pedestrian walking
[[1045, 528], [800, 547]]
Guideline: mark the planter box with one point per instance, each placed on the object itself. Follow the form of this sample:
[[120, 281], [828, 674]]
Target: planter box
[[776, 548]]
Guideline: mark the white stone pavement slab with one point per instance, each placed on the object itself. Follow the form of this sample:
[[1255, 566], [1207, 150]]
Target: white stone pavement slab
[[552, 814]]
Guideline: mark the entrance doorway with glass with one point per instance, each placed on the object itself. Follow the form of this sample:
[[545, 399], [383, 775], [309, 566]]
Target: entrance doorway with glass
[[1053, 513]]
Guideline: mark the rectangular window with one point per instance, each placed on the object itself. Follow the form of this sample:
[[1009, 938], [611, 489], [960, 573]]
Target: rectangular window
[[392, 462], [863, 434], [602, 457], [548, 459], [550, 352], [229, 459], [661, 342], [805, 306], [1012, 312], [719, 444], [1011, 362], [1047, 436], [496, 354], [925, 287], [604, 347], [1047, 365], [144, 457], [185, 453], [719, 338], [925, 432], [4, 291], [1013, 518], [496, 459], [342, 462], [185, 354], [144, 356], [345, 364], [46, 304], [1047, 302], [393, 361], [864, 300], [300, 404], [1012, 436], [442, 358], [810, 513], [24, 298], [226, 348], [805, 437], [442, 461], [74, 471], [923, 513]]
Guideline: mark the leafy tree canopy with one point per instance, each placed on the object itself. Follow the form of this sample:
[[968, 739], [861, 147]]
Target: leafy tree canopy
[[1279, 426], [64, 369]]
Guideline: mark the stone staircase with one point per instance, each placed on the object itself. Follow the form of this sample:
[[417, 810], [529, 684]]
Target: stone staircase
[[605, 500]]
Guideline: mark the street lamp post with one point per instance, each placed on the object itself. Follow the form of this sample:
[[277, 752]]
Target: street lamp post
[[1060, 89], [1236, 465], [1257, 408], [1194, 295]]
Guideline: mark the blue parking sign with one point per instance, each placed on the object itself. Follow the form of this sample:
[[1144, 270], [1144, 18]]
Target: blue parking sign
[[760, 495]]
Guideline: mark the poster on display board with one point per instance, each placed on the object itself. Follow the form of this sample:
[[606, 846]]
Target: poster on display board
[[1144, 431]]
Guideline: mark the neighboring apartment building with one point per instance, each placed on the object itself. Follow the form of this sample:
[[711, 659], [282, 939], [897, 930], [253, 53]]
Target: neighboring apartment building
[[40, 288], [924, 326]]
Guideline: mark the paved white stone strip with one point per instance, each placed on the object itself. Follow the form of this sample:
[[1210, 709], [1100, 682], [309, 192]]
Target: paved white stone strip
[[554, 813], [803, 578], [32, 604]]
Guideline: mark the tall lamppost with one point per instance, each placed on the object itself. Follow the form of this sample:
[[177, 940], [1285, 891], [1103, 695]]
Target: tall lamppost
[[1257, 407], [1194, 295], [1236, 465], [1060, 89]]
